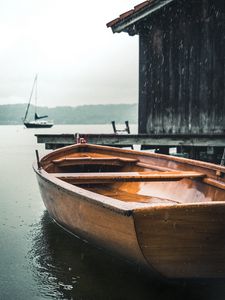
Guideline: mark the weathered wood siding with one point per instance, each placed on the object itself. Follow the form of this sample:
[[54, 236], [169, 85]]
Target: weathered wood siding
[[182, 68]]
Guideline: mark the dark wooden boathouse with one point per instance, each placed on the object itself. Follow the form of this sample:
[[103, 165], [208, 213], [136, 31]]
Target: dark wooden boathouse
[[181, 67]]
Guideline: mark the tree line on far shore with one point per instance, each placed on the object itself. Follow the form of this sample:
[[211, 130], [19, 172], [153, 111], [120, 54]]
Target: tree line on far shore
[[13, 114]]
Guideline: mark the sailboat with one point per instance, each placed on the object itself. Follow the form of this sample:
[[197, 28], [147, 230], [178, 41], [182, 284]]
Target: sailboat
[[38, 121]]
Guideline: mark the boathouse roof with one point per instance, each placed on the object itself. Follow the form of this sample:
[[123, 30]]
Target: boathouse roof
[[125, 21]]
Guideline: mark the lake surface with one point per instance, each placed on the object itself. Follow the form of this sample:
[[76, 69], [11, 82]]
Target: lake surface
[[38, 260]]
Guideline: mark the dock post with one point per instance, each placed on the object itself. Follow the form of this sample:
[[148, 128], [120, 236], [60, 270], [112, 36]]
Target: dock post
[[163, 150], [77, 138], [127, 127], [38, 160], [114, 126], [223, 158]]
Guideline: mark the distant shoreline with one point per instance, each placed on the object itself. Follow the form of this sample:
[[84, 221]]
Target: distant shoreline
[[12, 114]]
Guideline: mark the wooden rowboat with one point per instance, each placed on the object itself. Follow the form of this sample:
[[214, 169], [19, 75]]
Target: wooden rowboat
[[164, 213]]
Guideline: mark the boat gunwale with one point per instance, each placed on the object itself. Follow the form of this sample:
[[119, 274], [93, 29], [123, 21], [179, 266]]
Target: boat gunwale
[[185, 161]]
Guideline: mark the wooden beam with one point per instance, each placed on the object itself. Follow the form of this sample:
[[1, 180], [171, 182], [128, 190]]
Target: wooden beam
[[110, 177], [73, 161]]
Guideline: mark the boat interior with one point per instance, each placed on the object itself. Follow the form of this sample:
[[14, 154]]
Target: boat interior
[[131, 179]]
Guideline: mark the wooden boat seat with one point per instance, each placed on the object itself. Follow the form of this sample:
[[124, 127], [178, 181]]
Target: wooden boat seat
[[110, 177], [115, 161]]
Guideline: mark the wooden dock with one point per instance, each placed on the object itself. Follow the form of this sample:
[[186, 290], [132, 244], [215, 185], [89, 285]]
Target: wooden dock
[[54, 141]]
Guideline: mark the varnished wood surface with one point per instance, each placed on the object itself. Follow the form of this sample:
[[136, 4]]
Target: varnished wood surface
[[174, 227], [91, 221], [76, 178], [150, 160], [128, 196], [69, 161], [183, 241]]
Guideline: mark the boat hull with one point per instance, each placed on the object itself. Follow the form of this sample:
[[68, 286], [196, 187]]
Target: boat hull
[[172, 242], [107, 228], [181, 237], [33, 125], [184, 242]]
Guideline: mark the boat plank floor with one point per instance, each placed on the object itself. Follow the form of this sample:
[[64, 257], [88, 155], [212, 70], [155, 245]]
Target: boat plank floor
[[129, 197]]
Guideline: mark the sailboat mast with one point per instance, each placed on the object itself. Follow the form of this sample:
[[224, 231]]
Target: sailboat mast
[[28, 105], [36, 96]]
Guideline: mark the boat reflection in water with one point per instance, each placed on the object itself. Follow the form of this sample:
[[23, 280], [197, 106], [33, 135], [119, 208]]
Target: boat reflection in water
[[66, 267]]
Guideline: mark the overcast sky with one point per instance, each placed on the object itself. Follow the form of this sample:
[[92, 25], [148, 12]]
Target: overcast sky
[[78, 59]]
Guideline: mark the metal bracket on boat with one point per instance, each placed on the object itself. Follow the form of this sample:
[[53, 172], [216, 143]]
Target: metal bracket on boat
[[218, 173], [80, 140], [38, 160]]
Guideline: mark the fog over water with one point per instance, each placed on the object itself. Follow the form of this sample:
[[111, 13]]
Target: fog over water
[[78, 59]]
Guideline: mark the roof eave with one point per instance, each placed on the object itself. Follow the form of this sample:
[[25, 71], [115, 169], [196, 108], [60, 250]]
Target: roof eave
[[130, 20]]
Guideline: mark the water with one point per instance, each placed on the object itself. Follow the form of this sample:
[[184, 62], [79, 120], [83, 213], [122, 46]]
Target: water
[[38, 260]]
